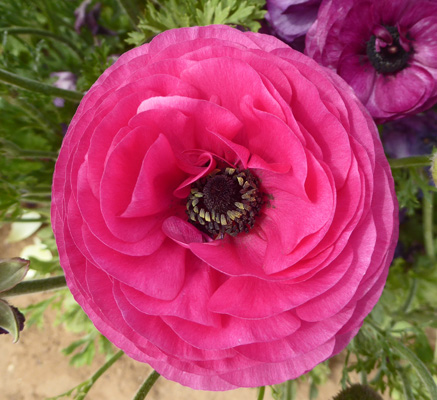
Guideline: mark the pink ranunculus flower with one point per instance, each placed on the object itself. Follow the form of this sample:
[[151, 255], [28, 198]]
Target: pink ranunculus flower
[[223, 208], [385, 49]]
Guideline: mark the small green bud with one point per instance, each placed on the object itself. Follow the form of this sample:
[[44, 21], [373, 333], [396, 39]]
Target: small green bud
[[11, 320], [358, 392]]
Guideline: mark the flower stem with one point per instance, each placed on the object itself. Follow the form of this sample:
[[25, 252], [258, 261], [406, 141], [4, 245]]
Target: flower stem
[[417, 365], [146, 386], [35, 86], [428, 224], [40, 32], [91, 381], [416, 161], [261, 392], [36, 285], [410, 297], [83, 388], [289, 393], [21, 220]]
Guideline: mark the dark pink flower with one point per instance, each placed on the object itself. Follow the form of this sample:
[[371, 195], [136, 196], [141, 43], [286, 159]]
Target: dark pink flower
[[385, 49], [223, 208]]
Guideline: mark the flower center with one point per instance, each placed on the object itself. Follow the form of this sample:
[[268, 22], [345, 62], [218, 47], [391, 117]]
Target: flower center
[[387, 50], [226, 201]]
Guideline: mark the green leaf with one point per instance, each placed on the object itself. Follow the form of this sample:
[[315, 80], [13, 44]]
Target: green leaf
[[12, 272], [169, 14], [417, 364], [8, 320], [85, 356]]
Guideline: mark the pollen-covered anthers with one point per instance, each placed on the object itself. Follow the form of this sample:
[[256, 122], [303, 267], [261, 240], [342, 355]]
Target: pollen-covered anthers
[[226, 201]]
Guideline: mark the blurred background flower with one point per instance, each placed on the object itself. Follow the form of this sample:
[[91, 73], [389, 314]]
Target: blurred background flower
[[290, 19], [65, 80], [411, 136], [87, 16]]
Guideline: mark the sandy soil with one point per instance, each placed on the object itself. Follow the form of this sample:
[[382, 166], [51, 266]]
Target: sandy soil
[[35, 369]]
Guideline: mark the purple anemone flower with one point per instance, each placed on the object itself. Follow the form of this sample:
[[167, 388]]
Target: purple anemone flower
[[291, 19], [385, 49]]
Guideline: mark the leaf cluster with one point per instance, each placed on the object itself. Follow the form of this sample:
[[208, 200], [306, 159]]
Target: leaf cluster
[[169, 14]]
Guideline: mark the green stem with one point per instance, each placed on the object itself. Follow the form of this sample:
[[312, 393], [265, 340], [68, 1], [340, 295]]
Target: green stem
[[435, 351], [36, 200], [83, 388], [410, 297], [261, 392], [417, 364], [289, 391], [36, 285], [35, 86], [416, 161], [36, 195], [363, 376], [40, 32], [428, 224], [13, 220], [146, 386], [132, 11], [408, 391], [91, 381]]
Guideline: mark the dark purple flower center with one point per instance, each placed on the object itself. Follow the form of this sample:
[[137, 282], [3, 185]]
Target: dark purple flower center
[[388, 52], [226, 201]]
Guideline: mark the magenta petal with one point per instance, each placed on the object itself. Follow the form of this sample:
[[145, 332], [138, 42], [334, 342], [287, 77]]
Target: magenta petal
[[424, 32], [181, 231], [232, 88], [145, 241], [157, 275], [158, 178], [406, 91], [307, 337], [191, 303], [359, 74], [279, 372], [243, 258], [231, 334]]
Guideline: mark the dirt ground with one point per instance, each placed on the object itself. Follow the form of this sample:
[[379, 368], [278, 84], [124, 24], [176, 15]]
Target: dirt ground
[[35, 369]]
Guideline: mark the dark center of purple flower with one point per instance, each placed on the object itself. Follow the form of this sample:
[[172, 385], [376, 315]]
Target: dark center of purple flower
[[388, 52], [226, 201]]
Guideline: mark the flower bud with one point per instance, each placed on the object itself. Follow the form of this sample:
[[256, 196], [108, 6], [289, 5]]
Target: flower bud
[[358, 392]]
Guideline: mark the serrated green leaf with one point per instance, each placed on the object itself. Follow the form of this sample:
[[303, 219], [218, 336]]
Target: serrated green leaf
[[169, 14], [76, 344], [8, 320], [85, 356], [35, 312], [12, 272]]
